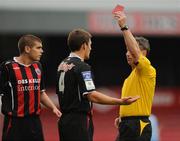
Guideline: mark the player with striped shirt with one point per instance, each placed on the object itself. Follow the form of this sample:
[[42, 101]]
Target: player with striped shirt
[[22, 89]]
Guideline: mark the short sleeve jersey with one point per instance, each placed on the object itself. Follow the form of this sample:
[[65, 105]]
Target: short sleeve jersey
[[74, 82], [140, 82], [20, 87]]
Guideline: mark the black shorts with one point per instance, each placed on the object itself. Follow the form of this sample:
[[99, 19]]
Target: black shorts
[[22, 129], [135, 129], [75, 127]]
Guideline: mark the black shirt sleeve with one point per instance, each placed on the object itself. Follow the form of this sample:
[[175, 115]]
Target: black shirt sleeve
[[3, 77], [86, 80]]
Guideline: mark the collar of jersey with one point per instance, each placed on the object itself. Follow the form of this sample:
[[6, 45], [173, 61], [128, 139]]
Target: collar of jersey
[[21, 63], [75, 55]]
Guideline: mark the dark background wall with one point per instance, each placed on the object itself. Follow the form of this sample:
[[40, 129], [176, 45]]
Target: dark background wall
[[107, 57]]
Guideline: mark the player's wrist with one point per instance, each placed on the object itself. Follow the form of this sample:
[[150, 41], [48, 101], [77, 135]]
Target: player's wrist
[[121, 102]]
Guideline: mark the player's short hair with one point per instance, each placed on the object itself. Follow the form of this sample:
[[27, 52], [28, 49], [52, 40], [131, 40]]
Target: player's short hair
[[143, 43], [76, 38], [27, 40]]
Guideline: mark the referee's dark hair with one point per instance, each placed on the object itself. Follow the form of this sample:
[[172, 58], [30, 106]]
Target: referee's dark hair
[[27, 40], [143, 43], [76, 38]]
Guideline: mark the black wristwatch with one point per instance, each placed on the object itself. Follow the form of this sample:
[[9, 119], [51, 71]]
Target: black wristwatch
[[125, 27]]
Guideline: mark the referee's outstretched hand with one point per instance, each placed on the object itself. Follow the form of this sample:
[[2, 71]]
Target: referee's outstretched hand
[[129, 100]]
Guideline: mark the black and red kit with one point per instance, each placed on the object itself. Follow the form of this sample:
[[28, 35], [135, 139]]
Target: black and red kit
[[20, 87]]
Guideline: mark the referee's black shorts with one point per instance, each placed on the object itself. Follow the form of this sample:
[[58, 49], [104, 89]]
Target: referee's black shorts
[[22, 129], [75, 127], [135, 128]]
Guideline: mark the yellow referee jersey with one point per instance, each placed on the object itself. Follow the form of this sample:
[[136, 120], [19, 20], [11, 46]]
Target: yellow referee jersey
[[140, 82]]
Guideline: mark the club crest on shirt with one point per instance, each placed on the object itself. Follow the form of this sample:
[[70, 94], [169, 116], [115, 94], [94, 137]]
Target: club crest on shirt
[[38, 71]]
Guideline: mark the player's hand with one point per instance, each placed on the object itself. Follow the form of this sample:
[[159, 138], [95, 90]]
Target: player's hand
[[116, 122], [57, 112], [129, 100], [120, 17]]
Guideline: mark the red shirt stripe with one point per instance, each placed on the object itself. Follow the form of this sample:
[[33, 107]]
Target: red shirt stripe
[[20, 94], [31, 92]]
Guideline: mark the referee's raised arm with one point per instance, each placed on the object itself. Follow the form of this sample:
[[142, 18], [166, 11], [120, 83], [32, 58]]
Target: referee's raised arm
[[135, 123]]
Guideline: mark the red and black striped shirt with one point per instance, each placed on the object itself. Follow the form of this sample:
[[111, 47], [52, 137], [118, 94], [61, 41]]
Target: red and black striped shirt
[[21, 87]]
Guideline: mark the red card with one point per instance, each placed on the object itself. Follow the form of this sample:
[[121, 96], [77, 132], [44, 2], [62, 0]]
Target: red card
[[118, 8]]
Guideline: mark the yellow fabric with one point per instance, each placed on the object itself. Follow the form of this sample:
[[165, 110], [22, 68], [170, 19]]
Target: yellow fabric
[[140, 82], [142, 125]]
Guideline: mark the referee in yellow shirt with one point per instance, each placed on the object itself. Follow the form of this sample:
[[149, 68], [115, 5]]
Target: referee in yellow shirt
[[133, 121]]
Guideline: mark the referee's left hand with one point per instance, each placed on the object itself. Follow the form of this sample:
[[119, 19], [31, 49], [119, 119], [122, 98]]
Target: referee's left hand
[[57, 112], [129, 100], [116, 122]]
